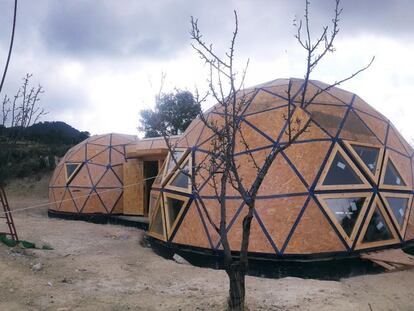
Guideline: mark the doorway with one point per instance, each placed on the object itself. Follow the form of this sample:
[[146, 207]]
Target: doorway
[[150, 172]]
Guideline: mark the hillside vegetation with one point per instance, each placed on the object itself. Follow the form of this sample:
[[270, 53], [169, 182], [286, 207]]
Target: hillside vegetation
[[35, 150]]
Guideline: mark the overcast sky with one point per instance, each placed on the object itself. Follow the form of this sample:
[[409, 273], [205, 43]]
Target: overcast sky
[[100, 61]]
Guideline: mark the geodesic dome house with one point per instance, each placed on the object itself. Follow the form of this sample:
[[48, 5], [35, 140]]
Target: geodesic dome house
[[89, 179], [344, 186]]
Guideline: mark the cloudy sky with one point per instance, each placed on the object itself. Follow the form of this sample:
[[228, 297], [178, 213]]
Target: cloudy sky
[[100, 61]]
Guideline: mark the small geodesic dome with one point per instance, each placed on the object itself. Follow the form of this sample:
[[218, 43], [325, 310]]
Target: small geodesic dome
[[89, 178], [345, 185]]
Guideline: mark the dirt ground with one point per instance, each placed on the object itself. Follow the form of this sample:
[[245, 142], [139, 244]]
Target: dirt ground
[[104, 267]]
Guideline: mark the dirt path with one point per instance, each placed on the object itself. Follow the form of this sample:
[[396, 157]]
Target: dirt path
[[104, 267]]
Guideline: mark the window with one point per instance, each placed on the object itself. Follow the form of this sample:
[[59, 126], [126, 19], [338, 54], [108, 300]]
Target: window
[[171, 163], [378, 229], [346, 211], [392, 177], [71, 170], [341, 173], [369, 155], [181, 180], [174, 207], [398, 208], [157, 228]]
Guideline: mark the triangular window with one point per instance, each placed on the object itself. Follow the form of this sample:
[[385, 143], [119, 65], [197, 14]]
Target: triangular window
[[377, 229], [181, 180], [71, 170], [398, 207], [341, 173], [173, 207], [171, 163], [392, 177], [157, 223], [346, 211], [369, 155]]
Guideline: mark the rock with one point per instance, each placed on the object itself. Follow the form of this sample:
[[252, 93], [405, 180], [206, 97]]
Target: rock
[[178, 259], [50, 284], [37, 267]]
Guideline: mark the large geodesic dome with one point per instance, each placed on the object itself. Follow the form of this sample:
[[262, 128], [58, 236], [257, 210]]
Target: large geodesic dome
[[344, 186]]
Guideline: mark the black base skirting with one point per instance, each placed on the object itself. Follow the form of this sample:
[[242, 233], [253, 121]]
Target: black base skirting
[[100, 219], [330, 267]]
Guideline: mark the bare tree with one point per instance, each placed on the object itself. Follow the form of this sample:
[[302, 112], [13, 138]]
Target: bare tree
[[23, 110], [226, 89]]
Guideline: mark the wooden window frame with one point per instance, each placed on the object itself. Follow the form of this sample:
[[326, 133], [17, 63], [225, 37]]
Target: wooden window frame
[[360, 245], [367, 195], [349, 146], [167, 175], [171, 227], [177, 171], [320, 186], [75, 172], [159, 205], [385, 187], [408, 196]]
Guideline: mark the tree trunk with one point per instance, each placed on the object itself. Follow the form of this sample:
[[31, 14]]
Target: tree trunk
[[236, 273]]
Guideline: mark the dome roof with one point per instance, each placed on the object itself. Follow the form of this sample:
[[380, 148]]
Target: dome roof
[[345, 185], [89, 178]]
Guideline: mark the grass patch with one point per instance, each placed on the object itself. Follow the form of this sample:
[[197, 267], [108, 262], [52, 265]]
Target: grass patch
[[25, 244]]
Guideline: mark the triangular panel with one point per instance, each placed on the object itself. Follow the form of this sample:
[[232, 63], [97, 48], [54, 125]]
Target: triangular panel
[[81, 179], [391, 177], [191, 231], [368, 156], [354, 129], [278, 216], [157, 227], [377, 126], [398, 204], [341, 173], [313, 234], [377, 229], [329, 118], [346, 211], [174, 207]]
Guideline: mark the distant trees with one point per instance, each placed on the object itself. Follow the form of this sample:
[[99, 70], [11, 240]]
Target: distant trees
[[174, 110]]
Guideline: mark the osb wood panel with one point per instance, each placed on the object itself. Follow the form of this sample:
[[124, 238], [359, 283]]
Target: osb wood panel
[[213, 210], [93, 205], [264, 100], [340, 94], [329, 118], [312, 132], [360, 104], [355, 130], [58, 196], [67, 204], [109, 197], [79, 196], [278, 216], [271, 122], [96, 172], [94, 150], [134, 195], [101, 158], [104, 140], [323, 98], [258, 240], [109, 180], [377, 126], [314, 234], [122, 139], [59, 177], [77, 156], [299, 155], [191, 230], [394, 142], [82, 179]]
